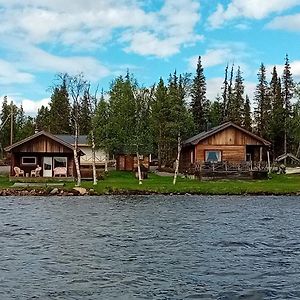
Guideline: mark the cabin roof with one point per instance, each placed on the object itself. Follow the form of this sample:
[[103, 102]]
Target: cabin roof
[[82, 139], [44, 133], [205, 134]]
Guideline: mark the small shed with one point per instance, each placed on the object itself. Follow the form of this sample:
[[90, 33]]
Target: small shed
[[128, 162], [226, 142], [52, 154]]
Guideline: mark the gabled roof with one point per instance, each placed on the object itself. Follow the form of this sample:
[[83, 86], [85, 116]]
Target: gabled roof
[[205, 134], [82, 139], [44, 133]]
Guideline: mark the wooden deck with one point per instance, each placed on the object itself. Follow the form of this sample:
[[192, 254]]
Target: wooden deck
[[40, 179]]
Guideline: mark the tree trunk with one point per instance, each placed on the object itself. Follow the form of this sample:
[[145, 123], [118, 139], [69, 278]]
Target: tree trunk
[[76, 156], [106, 163], [177, 159], [298, 151], [94, 160], [139, 167], [285, 144]]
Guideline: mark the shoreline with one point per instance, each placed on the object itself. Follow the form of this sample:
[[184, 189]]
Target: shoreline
[[122, 192]]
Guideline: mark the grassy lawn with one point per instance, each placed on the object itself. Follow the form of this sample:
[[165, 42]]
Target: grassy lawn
[[124, 181]]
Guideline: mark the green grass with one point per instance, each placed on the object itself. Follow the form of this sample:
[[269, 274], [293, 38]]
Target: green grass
[[118, 182]]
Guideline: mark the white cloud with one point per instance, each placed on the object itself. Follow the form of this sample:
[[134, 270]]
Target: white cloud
[[31, 106], [88, 24], [251, 9], [295, 69], [289, 22], [9, 74]]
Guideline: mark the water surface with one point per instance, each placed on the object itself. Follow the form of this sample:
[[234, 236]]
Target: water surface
[[150, 247]]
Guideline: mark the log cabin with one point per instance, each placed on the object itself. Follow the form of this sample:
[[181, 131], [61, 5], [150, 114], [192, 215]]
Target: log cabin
[[54, 155], [226, 142], [128, 162]]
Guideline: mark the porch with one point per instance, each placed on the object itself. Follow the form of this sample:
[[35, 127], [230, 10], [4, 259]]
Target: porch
[[36, 165]]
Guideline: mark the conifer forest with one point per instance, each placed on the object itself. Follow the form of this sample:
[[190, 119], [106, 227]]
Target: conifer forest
[[129, 118]]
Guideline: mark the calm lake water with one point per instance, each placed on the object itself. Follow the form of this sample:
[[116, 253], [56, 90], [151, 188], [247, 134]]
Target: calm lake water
[[150, 247]]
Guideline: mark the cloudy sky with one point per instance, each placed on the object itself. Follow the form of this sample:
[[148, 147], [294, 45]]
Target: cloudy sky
[[151, 38]]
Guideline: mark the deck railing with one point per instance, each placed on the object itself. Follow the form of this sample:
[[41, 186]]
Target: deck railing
[[226, 166]]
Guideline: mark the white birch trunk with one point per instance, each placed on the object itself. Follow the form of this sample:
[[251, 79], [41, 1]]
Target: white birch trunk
[[76, 155], [177, 160], [106, 163], [94, 160], [139, 167]]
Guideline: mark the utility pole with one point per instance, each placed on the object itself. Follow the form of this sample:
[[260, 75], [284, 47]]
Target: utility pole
[[11, 122]]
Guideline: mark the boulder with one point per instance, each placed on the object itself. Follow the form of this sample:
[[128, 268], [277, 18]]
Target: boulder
[[82, 191], [54, 191]]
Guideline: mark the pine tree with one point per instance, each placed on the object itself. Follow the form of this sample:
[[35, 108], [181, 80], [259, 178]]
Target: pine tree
[[199, 102], [236, 99], [287, 91], [247, 120], [263, 105], [225, 95], [278, 115], [60, 109], [230, 96], [5, 124], [85, 113], [43, 119], [215, 113]]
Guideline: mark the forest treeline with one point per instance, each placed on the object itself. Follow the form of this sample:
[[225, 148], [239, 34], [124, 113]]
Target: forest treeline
[[130, 118]]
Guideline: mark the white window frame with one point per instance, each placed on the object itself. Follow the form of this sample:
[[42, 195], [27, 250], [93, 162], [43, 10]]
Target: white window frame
[[28, 164], [219, 157], [54, 157]]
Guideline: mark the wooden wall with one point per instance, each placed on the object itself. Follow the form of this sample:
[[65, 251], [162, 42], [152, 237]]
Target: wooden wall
[[231, 136], [42, 144], [229, 153]]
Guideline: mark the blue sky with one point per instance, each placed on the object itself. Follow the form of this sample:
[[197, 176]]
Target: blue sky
[[151, 38]]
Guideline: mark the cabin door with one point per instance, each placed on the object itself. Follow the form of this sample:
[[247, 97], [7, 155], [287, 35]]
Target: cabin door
[[47, 166]]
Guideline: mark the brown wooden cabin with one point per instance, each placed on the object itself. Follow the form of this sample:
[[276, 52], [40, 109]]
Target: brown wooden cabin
[[128, 162], [226, 142], [45, 150]]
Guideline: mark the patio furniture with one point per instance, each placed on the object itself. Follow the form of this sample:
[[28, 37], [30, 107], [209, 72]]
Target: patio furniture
[[36, 172], [18, 172], [60, 171]]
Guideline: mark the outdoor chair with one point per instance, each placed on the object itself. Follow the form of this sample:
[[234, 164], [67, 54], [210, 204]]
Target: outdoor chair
[[18, 172], [36, 172], [60, 171]]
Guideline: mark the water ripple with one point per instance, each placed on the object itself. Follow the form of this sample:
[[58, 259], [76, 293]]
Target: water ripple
[[150, 247]]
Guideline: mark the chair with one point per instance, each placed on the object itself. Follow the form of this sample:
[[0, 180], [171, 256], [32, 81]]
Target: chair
[[60, 171], [18, 172], [36, 172]]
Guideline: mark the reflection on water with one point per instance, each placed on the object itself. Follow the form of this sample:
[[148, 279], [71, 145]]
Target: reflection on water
[[150, 247]]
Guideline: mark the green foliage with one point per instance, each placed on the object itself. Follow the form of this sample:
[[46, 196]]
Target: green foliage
[[199, 103], [43, 118], [60, 110]]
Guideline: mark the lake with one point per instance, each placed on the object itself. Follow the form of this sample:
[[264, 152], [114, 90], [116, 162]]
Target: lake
[[150, 247]]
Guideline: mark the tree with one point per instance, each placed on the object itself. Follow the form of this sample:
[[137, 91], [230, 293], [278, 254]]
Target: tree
[[247, 119], [236, 104], [278, 115], [225, 95], [263, 104], [215, 112], [85, 112], [199, 102], [60, 110], [287, 92], [43, 118]]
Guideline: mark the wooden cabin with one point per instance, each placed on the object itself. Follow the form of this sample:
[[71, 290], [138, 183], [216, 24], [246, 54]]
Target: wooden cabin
[[45, 150], [226, 142], [128, 162]]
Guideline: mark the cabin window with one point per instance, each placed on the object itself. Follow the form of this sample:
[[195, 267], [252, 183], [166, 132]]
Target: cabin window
[[213, 155], [29, 160], [59, 162]]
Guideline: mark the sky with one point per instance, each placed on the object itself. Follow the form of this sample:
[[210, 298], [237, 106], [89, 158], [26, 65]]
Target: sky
[[150, 38]]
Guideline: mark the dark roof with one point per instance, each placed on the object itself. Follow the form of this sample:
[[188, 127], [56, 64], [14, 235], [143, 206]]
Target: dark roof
[[205, 134], [47, 134], [82, 139]]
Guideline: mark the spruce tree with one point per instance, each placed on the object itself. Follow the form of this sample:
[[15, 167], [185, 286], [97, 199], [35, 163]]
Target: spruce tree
[[215, 113], [199, 102], [60, 110], [85, 114], [263, 104], [247, 120], [225, 95], [43, 118], [287, 92]]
